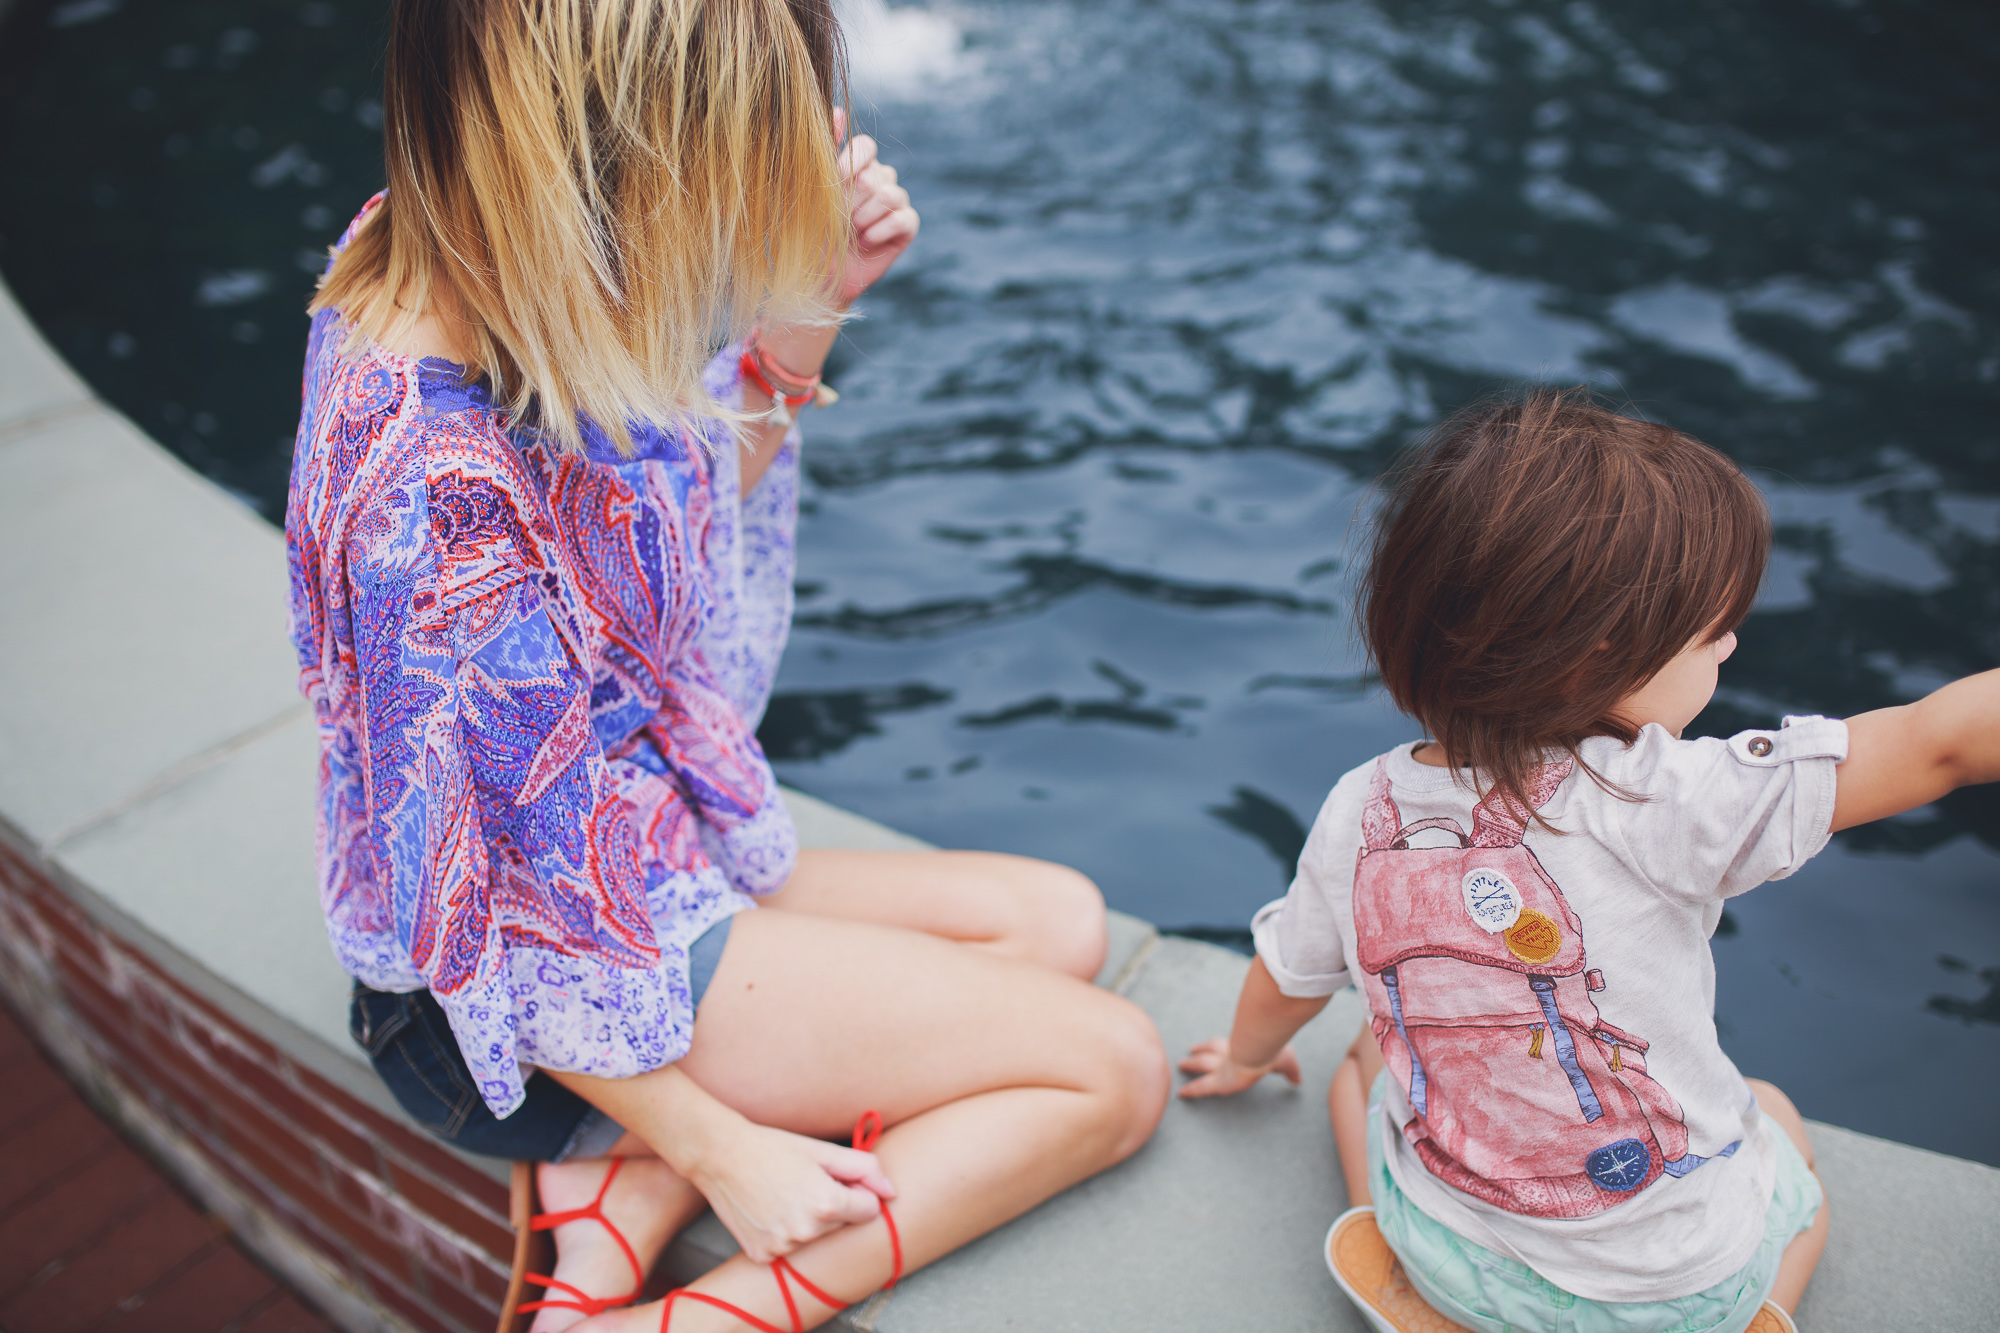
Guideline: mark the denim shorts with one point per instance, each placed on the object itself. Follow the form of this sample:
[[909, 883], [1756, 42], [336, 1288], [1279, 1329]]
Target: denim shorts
[[410, 1043], [1491, 1293]]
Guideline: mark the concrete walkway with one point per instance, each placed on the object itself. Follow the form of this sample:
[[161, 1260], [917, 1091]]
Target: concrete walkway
[[154, 753]]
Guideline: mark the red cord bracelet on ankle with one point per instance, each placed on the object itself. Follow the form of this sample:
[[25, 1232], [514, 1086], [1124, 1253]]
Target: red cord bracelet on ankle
[[867, 1132]]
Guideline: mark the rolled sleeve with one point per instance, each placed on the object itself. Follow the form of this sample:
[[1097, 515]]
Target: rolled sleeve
[[1306, 963], [1750, 809]]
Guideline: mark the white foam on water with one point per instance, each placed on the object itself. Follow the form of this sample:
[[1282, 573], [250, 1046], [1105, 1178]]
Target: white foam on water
[[904, 54]]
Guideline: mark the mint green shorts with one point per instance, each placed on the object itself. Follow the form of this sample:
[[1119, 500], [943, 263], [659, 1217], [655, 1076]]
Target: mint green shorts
[[1491, 1293]]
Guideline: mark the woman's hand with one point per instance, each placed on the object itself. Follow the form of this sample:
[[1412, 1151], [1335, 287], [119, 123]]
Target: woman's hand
[[884, 222], [1222, 1076], [776, 1191]]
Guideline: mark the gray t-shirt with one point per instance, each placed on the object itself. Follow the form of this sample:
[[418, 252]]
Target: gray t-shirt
[[1548, 999]]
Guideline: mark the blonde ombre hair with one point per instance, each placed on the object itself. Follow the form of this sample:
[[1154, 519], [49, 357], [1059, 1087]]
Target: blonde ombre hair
[[597, 193]]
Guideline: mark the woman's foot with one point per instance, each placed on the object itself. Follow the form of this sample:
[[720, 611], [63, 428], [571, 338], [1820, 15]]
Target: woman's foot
[[648, 1203]]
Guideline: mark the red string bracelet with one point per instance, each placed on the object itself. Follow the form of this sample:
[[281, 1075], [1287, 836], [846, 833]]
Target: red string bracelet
[[867, 1132], [788, 392]]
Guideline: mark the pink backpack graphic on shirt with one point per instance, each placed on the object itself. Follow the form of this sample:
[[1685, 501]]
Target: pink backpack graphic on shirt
[[1474, 968]]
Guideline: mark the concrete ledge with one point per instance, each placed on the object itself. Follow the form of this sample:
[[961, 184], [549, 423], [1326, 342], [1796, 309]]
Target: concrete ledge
[[145, 621], [36, 385], [160, 932]]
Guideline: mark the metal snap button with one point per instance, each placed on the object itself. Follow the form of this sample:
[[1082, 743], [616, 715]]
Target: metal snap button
[[1761, 746]]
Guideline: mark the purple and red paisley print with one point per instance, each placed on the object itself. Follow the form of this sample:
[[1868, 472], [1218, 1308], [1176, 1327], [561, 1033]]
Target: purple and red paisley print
[[537, 678]]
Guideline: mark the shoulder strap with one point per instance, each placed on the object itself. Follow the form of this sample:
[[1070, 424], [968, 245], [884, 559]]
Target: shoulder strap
[[1501, 822], [1380, 820]]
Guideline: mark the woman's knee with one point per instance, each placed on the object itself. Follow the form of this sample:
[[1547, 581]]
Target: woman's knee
[[1136, 1078], [1060, 922]]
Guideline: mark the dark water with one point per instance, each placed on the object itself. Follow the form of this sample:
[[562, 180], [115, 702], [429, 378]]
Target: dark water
[[1075, 555]]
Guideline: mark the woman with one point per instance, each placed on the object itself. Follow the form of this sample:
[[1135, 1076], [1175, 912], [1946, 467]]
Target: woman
[[541, 565]]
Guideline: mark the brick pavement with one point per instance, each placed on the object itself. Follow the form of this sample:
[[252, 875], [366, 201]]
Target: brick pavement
[[94, 1239]]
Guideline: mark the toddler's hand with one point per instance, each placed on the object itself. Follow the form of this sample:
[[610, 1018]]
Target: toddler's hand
[[1221, 1076]]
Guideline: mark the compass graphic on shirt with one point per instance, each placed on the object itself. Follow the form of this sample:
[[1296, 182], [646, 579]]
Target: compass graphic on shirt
[[1620, 1167], [1491, 899]]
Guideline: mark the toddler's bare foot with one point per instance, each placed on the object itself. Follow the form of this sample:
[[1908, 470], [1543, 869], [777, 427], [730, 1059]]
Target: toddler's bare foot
[[648, 1203]]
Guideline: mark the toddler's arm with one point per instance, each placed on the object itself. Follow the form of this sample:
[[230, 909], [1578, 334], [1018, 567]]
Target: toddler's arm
[[1901, 758], [1266, 1019]]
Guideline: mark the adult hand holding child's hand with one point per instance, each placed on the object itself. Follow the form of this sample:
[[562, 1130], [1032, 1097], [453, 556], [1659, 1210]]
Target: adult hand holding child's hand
[[1222, 1076]]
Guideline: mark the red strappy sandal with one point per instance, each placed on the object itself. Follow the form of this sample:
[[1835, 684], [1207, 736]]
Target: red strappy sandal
[[867, 1130], [527, 1223]]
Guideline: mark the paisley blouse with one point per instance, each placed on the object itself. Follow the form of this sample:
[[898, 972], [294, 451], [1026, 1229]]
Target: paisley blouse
[[537, 678]]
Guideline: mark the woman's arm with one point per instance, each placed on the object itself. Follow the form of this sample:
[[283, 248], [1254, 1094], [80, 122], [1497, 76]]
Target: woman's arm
[[1901, 758], [884, 226], [773, 1190], [1266, 1019]]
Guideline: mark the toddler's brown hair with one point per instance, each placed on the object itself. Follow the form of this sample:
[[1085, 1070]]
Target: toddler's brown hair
[[1538, 559]]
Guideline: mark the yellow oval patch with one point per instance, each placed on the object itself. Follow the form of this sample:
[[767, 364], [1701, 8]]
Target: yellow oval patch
[[1534, 938]]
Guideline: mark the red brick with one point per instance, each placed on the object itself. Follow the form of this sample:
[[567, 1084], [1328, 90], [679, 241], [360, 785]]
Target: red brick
[[71, 1214], [368, 1225], [84, 987], [218, 1290], [71, 928], [27, 1087], [471, 1309], [284, 1315], [279, 1101], [234, 1105], [47, 1148], [397, 1237], [450, 1207], [243, 1059], [340, 1133], [246, 1062], [140, 1251], [14, 1040], [469, 1274], [187, 998], [317, 1226], [432, 1158], [419, 1314], [135, 1060], [359, 1199], [287, 1170], [18, 867]]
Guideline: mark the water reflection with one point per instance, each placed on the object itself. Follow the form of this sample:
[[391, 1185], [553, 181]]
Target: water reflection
[[1077, 542]]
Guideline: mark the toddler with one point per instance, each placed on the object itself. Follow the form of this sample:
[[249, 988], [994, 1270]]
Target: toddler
[[1537, 1119]]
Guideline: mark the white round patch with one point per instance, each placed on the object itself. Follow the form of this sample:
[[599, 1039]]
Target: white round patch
[[1491, 900]]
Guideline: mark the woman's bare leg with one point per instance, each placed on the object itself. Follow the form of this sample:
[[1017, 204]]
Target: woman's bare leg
[[1014, 906], [1002, 1083], [1801, 1257], [1347, 1107]]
